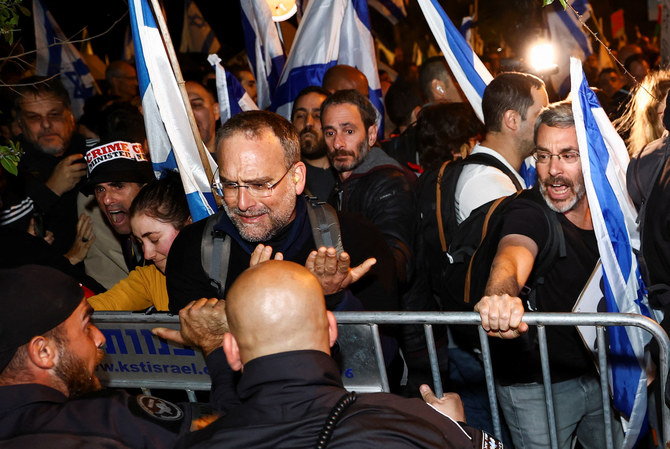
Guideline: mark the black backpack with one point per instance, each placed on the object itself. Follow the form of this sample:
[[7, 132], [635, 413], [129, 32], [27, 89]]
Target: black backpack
[[443, 248]]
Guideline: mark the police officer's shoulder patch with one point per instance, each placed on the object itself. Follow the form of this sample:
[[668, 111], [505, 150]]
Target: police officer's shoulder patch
[[158, 408]]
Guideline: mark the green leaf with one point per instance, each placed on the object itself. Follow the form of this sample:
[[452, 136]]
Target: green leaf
[[547, 2], [9, 166]]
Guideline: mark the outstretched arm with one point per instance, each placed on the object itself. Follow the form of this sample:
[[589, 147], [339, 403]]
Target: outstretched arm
[[501, 310]]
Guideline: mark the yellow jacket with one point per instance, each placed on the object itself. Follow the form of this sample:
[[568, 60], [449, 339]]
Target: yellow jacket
[[144, 287]]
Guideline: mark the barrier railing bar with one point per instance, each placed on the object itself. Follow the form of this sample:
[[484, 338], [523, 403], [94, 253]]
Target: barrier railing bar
[[532, 318], [604, 387], [434, 364], [380, 357], [546, 380], [490, 383]]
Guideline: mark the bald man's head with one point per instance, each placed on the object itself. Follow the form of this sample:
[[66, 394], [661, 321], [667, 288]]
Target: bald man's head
[[344, 77], [273, 307]]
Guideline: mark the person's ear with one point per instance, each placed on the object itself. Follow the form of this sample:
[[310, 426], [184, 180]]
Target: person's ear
[[511, 119], [217, 112], [232, 351], [372, 135], [332, 328], [437, 90], [43, 352], [299, 177]]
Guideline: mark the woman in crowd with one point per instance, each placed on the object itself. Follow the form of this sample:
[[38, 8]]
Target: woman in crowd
[[157, 214], [642, 122]]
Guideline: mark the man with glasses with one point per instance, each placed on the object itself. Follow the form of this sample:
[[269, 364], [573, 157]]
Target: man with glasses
[[261, 179], [575, 384]]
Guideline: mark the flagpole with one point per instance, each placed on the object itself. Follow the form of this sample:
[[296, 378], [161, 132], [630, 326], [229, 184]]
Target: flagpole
[[202, 151]]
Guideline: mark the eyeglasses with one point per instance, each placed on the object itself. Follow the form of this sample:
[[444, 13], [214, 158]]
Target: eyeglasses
[[229, 189], [544, 157]]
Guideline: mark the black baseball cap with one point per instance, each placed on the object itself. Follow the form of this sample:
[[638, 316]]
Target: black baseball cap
[[35, 299]]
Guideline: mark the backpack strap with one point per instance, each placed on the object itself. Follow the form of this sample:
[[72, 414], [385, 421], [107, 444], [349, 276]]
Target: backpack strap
[[325, 224], [492, 161], [215, 253], [438, 193], [485, 227]]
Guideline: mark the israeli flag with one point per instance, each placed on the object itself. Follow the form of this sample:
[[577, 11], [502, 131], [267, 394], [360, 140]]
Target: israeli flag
[[471, 74], [604, 162], [57, 56], [331, 32], [568, 39], [196, 35], [264, 48], [171, 140], [392, 10], [232, 97]]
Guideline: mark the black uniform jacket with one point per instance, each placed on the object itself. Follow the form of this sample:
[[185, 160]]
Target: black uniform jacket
[[287, 397]]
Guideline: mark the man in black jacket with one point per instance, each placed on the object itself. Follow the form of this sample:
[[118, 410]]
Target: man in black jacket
[[52, 165], [280, 336], [371, 183], [261, 181]]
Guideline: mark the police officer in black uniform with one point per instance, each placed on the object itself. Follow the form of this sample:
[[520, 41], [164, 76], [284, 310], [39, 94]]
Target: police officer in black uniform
[[49, 394]]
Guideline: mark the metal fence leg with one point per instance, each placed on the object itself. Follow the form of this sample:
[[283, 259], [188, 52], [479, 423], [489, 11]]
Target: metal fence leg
[[490, 385], [191, 395], [380, 358], [434, 365], [602, 366], [546, 378]]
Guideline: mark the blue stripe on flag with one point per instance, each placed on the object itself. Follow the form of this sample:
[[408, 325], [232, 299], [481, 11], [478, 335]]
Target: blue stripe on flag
[[462, 52], [361, 7], [574, 28], [299, 78], [393, 9]]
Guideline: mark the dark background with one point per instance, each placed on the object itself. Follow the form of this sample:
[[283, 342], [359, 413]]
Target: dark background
[[516, 22]]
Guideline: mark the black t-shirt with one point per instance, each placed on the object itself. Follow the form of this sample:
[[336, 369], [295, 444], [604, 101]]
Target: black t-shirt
[[563, 283], [320, 181]]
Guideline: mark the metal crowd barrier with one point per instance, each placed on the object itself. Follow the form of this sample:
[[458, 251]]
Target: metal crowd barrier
[[135, 358]]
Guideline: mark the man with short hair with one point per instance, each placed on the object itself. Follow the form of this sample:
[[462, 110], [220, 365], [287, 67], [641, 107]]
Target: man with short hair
[[121, 78], [371, 183], [511, 103], [49, 397], [575, 383], [280, 337], [306, 117], [437, 83], [262, 180], [51, 167], [206, 112]]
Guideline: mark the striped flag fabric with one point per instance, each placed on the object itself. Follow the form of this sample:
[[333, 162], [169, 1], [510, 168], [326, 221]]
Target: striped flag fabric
[[57, 56], [196, 35], [264, 48], [604, 162], [171, 141], [392, 10], [568, 39], [232, 97], [471, 74], [331, 32]]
